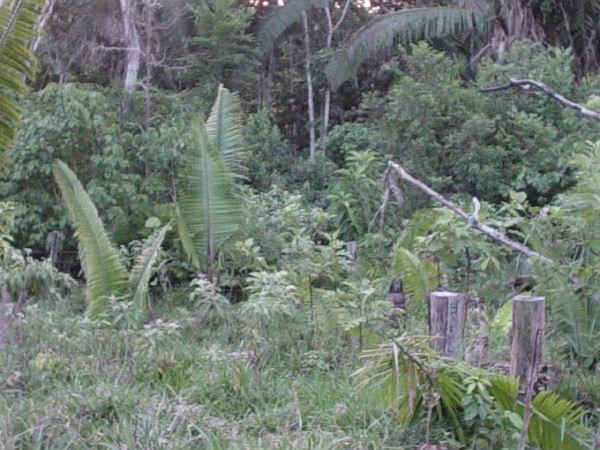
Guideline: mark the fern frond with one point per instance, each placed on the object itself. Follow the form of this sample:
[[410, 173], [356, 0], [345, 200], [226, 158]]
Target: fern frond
[[105, 274], [143, 269], [403, 27]]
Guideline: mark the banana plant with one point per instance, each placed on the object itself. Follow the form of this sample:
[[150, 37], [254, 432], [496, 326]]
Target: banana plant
[[209, 207], [105, 274]]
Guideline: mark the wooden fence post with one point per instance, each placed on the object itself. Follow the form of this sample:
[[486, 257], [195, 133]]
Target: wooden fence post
[[447, 318], [352, 249], [528, 316]]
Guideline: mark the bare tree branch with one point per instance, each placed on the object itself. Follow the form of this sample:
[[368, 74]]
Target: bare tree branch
[[527, 84], [472, 221]]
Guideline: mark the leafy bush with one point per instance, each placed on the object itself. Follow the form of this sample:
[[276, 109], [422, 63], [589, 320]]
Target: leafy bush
[[459, 140], [271, 153], [350, 137], [355, 194], [81, 127]]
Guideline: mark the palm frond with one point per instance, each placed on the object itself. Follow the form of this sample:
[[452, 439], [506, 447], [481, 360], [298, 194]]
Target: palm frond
[[225, 130], [284, 17], [143, 269], [209, 206], [404, 27], [556, 423], [105, 274], [419, 278], [407, 374], [18, 26], [185, 237]]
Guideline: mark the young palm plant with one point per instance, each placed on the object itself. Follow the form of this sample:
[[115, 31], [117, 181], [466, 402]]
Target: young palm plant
[[416, 381], [105, 274], [208, 205]]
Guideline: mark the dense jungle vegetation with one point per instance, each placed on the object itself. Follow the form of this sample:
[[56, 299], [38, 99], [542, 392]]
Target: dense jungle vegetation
[[221, 222]]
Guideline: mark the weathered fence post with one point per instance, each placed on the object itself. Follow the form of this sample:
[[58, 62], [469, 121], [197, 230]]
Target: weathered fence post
[[352, 249], [528, 316], [447, 318]]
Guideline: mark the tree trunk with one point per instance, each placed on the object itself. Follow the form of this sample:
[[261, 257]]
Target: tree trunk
[[331, 28], [447, 318], [55, 246], [132, 42], [6, 315], [309, 85], [528, 323], [42, 21], [269, 86], [516, 22]]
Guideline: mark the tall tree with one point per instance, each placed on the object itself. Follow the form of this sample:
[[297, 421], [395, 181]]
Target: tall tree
[[331, 29], [309, 88], [132, 43]]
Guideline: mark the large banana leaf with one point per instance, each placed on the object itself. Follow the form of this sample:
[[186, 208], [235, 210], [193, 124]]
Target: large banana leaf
[[208, 203], [225, 129], [404, 26], [143, 269], [18, 24], [105, 274]]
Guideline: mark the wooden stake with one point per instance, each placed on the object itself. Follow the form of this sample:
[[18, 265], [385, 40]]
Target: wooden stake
[[447, 318], [352, 249], [526, 354]]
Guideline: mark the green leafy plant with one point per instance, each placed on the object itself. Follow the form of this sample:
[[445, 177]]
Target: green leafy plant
[[210, 304], [358, 308], [420, 277], [105, 274], [7, 215], [271, 314], [356, 193], [25, 278], [417, 382]]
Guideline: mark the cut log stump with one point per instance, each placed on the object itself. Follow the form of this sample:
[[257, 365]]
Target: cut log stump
[[447, 318], [528, 319]]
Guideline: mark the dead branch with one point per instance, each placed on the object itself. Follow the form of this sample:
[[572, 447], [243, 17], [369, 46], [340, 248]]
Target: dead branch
[[472, 221], [527, 84]]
